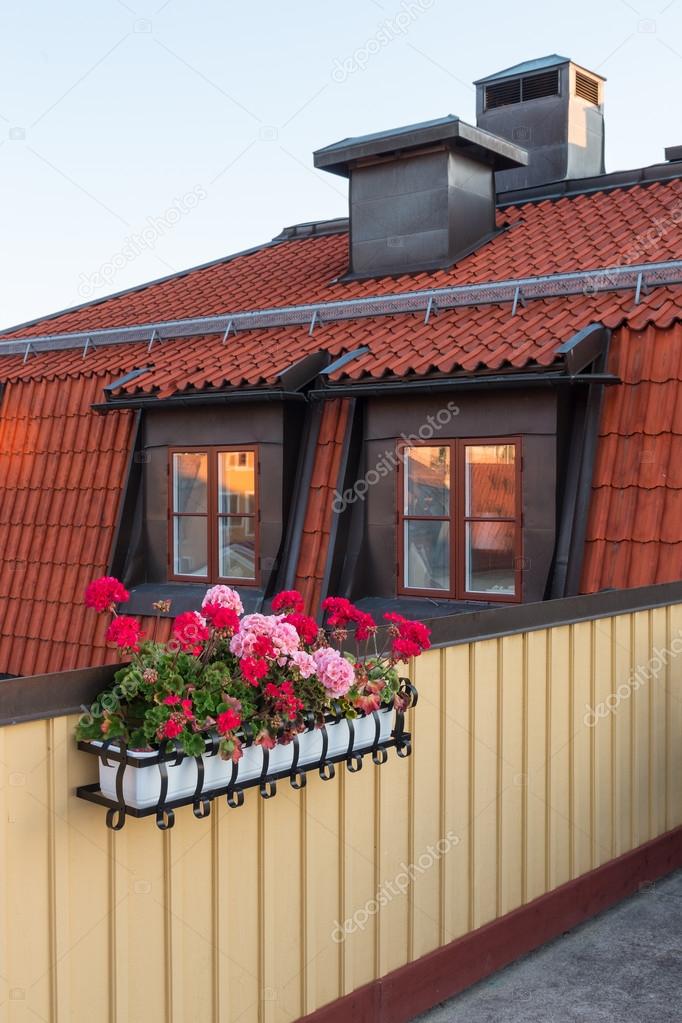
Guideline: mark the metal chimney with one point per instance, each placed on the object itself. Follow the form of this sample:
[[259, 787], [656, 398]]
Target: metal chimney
[[554, 109], [420, 196]]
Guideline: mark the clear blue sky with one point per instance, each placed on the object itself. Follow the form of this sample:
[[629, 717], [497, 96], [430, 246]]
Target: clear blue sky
[[112, 111]]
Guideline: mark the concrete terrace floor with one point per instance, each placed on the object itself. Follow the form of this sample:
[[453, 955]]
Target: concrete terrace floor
[[624, 966]]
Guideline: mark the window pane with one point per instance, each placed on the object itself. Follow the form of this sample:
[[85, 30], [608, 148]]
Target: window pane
[[490, 557], [189, 546], [427, 481], [427, 555], [491, 480], [236, 482], [237, 548], [190, 479]]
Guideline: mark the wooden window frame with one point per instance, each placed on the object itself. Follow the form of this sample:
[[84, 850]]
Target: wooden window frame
[[213, 515], [458, 521]]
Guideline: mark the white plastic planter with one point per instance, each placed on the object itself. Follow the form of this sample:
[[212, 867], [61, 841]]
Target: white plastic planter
[[142, 785]]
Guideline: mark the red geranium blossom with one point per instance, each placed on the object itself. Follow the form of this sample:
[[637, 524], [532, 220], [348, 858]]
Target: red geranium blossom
[[263, 647], [305, 626], [287, 600], [125, 633], [342, 612], [102, 594], [174, 701], [253, 669], [365, 626], [411, 638], [190, 631], [228, 721], [221, 617], [171, 729], [284, 700]]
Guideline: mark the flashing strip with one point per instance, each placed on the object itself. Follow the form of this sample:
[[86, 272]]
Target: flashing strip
[[584, 282]]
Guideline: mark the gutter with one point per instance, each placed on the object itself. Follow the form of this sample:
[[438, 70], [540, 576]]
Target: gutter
[[458, 384], [200, 398]]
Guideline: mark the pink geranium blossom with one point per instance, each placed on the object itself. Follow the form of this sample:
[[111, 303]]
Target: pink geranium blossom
[[304, 662], [225, 596], [334, 671], [265, 636]]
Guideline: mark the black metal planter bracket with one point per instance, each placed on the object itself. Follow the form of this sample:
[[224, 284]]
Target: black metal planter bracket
[[201, 798]]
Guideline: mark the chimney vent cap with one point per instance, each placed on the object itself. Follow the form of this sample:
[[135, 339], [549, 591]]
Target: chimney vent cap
[[339, 157], [529, 66], [673, 153]]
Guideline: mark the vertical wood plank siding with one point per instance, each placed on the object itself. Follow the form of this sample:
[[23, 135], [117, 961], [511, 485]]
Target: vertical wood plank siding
[[240, 917]]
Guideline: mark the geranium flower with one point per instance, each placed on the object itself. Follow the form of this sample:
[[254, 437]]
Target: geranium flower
[[305, 626], [287, 600], [365, 626], [221, 617], [334, 671], [411, 638], [253, 669], [304, 662], [225, 596], [102, 594], [285, 701], [265, 636], [125, 633], [339, 610], [228, 721], [171, 729], [172, 700], [342, 612], [189, 630]]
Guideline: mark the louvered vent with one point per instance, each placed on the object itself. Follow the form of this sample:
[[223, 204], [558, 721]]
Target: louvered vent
[[587, 88], [537, 86], [518, 90], [502, 94]]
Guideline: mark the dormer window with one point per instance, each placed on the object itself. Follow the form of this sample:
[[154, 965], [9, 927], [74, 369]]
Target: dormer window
[[213, 516], [459, 522]]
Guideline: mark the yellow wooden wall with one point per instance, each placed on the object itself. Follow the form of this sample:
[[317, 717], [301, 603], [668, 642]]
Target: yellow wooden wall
[[232, 919]]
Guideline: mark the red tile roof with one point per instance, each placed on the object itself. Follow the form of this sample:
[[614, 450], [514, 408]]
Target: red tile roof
[[62, 467], [634, 531], [553, 236], [458, 340], [61, 473]]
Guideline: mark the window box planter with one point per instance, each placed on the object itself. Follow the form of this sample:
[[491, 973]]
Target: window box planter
[[144, 783]]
